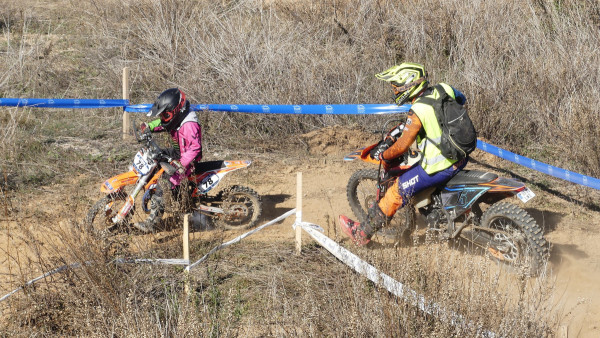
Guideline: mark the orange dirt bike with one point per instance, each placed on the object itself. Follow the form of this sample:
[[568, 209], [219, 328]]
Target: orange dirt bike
[[470, 206], [128, 195]]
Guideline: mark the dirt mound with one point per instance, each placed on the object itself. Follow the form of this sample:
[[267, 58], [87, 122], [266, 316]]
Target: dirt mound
[[336, 139]]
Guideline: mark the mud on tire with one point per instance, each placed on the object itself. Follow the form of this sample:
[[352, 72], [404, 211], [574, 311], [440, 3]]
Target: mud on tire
[[527, 250], [242, 206], [98, 217], [361, 191]]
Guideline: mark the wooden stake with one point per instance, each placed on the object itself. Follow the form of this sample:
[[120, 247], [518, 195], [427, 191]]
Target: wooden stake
[[126, 120], [186, 249], [298, 213], [564, 331]]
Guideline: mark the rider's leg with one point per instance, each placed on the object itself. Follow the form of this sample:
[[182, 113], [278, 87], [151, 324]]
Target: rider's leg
[[377, 216], [411, 182]]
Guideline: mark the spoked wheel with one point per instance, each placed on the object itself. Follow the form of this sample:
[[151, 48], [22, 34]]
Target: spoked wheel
[[242, 208], [361, 192], [99, 219], [515, 238]]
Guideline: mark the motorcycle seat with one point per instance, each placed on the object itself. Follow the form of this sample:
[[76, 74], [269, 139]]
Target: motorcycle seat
[[201, 167], [471, 177]]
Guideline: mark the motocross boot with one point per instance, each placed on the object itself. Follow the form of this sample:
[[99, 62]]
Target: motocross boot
[[361, 233], [157, 208]]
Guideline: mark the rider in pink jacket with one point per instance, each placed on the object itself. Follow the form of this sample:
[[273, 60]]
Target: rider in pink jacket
[[186, 141]]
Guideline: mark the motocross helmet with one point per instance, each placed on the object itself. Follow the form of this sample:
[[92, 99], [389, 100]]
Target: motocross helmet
[[408, 80], [172, 107]]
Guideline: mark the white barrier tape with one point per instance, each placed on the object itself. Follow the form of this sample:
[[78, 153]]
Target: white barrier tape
[[239, 238], [174, 261], [310, 225], [298, 219], [390, 284], [167, 261], [47, 274]]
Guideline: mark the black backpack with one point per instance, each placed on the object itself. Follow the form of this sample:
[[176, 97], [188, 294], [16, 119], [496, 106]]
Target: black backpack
[[459, 137]]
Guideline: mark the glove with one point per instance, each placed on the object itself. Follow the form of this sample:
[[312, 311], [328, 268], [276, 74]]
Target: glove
[[180, 168], [377, 151], [145, 128]]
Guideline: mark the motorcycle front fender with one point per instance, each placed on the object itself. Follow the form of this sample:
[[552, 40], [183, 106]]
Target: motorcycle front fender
[[362, 154], [115, 183]]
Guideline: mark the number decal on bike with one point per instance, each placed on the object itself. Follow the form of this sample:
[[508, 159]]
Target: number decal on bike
[[209, 182], [141, 164]]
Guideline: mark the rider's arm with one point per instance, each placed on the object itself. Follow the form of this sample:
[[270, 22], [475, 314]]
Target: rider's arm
[[409, 135]]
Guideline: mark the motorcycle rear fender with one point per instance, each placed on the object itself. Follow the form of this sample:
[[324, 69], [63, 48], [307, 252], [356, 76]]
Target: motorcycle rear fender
[[459, 199], [228, 166], [502, 184], [207, 180], [115, 183]]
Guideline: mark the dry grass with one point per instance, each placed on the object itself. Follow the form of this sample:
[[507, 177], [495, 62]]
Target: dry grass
[[257, 289], [528, 69]]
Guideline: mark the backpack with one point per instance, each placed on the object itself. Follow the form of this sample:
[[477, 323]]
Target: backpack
[[459, 137]]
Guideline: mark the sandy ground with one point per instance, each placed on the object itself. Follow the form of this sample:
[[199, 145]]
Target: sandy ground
[[560, 208]]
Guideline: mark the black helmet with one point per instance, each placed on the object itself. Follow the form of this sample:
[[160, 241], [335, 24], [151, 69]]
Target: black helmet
[[172, 107]]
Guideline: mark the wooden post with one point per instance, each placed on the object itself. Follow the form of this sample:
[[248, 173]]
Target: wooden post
[[126, 120], [564, 331], [186, 249], [298, 214]]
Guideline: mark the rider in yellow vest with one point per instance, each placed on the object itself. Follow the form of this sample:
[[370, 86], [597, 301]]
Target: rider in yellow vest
[[409, 82]]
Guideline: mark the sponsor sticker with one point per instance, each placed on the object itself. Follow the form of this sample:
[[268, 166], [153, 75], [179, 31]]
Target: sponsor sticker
[[525, 195]]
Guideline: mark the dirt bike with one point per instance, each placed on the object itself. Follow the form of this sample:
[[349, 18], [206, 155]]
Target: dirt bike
[[129, 195], [470, 206]]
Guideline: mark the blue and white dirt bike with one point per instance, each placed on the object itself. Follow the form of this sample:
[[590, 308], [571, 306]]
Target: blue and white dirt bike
[[471, 206]]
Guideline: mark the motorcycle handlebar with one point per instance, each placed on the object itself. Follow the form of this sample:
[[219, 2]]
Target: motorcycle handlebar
[[169, 169]]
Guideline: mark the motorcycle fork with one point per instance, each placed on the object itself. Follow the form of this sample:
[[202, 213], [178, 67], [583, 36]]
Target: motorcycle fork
[[130, 200]]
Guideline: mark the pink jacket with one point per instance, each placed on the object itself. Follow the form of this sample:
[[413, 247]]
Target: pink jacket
[[189, 138]]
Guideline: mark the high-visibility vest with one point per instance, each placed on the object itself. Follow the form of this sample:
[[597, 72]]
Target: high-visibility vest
[[433, 160]]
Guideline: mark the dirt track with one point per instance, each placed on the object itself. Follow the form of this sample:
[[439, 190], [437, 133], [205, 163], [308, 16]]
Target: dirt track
[[572, 229]]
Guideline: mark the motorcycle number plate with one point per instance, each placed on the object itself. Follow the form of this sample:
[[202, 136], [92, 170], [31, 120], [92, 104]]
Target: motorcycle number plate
[[141, 163], [209, 182], [526, 195]]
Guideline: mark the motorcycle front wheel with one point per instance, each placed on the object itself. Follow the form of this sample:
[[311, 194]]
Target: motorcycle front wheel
[[241, 207], [99, 219], [361, 192], [518, 241]]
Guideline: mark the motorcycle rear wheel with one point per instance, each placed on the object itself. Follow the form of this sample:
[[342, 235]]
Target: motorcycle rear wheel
[[242, 207], [521, 243]]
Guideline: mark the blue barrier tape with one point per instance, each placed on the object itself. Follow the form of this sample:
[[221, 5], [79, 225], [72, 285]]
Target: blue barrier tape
[[63, 103], [335, 109], [539, 166]]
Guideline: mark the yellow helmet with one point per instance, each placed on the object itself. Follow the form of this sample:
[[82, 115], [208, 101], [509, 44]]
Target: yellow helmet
[[408, 80]]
